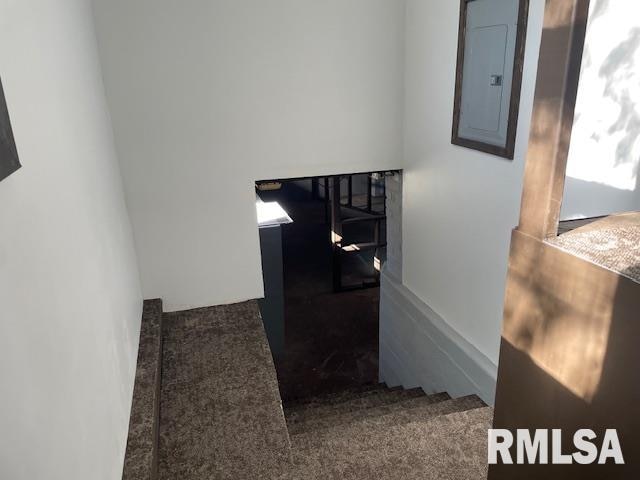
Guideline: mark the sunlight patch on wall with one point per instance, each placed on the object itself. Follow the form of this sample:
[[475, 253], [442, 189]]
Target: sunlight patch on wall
[[605, 144]]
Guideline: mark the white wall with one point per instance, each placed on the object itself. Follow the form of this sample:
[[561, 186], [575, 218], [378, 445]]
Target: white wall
[[69, 287], [604, 158], [459, 205], [209, 95]]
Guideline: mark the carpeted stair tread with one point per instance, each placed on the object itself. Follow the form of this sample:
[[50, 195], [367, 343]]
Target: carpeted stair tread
[[380, 419], [451, 447], [221, 415], [332, 421], [141, 458], [355, 404], [337, 397]]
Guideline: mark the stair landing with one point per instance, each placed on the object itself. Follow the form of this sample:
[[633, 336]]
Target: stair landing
[[220, 416]]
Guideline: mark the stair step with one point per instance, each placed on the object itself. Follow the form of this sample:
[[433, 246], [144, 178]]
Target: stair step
[[343, 418], [363, 402], [221, 414], [141, 458], [336, 397], [451, 446], [414, 410]]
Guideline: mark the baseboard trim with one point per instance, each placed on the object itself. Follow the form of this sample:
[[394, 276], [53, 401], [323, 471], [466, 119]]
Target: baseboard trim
[[419, 348]]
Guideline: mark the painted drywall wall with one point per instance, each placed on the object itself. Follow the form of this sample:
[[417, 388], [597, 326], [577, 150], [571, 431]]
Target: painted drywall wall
[[459, 205], [69, 287], [209, 96], [604, 157]]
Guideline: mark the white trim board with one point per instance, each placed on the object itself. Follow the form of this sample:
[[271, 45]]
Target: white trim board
[[419, 348]]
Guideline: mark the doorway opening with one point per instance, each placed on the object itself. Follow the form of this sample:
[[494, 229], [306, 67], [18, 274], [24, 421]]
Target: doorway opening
[[323, 242]]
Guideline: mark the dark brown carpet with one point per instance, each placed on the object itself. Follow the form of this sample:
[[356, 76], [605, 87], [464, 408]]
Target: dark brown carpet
[[221, 415], [612, 242]]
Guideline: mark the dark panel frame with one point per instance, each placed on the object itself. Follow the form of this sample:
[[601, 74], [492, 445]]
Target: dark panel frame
[[9, 161], [508, 150]]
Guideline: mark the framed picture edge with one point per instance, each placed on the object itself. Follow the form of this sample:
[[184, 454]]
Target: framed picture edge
[[13, 164]]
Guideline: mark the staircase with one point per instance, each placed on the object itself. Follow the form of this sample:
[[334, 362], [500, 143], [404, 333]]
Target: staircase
[[382, 433], [220, 415]]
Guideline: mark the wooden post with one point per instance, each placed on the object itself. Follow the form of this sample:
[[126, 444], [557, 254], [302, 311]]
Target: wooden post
[[565, 24]]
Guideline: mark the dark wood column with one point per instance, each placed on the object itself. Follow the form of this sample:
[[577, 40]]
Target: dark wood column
[[563, 38]]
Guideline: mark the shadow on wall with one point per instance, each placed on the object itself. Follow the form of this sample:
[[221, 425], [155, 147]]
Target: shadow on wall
[[605, 143]]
